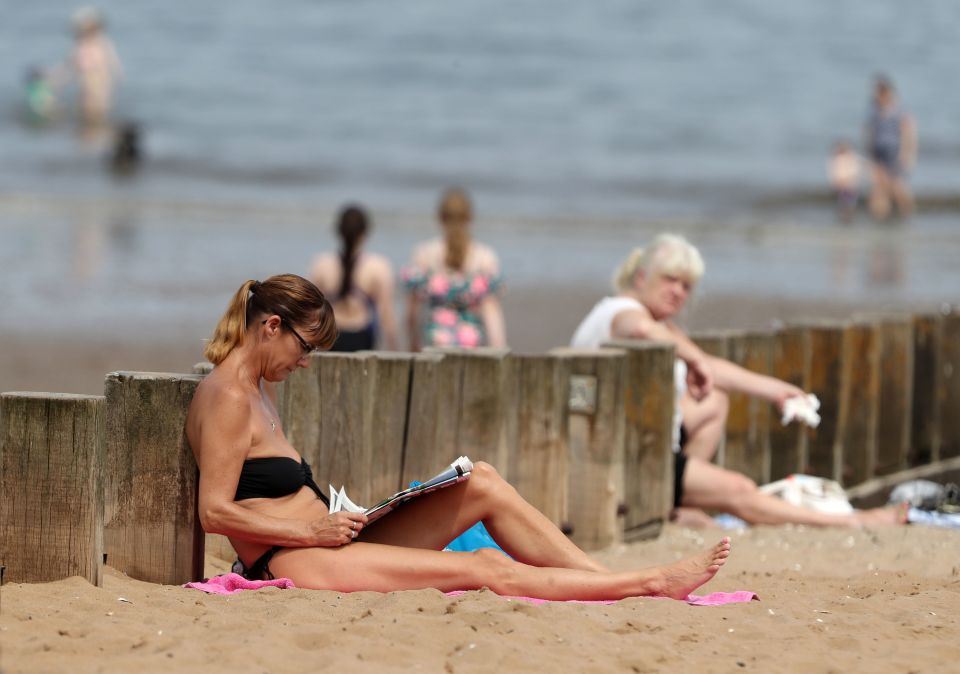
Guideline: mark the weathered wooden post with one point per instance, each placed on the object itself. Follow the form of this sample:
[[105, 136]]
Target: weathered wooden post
[[747, 447], [151, 526], [595, 432], [51, 510], [896, 389], [949, 393], [386, 423], [824, 443], [790, 362], [717, 343], [486, 424], [432, 415], [347, 414], [928, 373], [860, 400], [648, 463], [538, 465]]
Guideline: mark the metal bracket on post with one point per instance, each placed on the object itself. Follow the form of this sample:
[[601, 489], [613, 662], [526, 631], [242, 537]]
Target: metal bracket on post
[[583, 394]]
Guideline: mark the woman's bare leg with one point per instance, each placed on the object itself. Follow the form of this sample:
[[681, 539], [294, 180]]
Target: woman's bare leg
[[371, 567], [433, 520], [708, 486], [705, 422]]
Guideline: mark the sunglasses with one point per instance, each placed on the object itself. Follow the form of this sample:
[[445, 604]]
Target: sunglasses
[[308, 349]]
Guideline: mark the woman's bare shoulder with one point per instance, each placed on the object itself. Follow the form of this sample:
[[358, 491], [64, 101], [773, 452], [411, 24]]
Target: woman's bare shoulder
[[376, 263], [484, 258]]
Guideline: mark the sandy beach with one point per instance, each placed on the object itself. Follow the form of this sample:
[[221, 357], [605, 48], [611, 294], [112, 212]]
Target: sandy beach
[[830, 601]]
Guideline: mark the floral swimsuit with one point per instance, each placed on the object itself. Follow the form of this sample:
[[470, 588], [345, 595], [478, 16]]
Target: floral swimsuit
[[452, 300]]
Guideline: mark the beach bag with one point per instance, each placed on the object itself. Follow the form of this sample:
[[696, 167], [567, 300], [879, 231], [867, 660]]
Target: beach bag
[[809, 491]]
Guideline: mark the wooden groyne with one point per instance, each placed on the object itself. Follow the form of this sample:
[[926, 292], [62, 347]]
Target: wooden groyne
[[584, 435]]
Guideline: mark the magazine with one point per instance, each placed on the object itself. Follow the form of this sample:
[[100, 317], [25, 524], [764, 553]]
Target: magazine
[[458, 471]]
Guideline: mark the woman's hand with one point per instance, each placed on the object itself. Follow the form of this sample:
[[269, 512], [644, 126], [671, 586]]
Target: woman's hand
[[783, 392], [337, 529], [699, 378]]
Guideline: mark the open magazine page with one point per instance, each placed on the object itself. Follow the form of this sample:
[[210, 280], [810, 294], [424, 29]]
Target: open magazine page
[[458, 471]]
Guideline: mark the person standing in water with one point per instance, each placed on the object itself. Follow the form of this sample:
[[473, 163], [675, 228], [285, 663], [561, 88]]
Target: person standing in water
[[891, 141], [453, 284], [95, 64], [360, 287]]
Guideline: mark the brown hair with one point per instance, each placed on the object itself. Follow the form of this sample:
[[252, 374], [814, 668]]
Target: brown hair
[[293, 298], [351, 227], [455, 212]]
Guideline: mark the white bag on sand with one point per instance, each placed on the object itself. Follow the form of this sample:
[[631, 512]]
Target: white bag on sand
[[808, 491]]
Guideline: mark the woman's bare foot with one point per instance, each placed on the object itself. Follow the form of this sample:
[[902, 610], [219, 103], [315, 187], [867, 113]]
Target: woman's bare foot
[[889, 515], [680, 579]]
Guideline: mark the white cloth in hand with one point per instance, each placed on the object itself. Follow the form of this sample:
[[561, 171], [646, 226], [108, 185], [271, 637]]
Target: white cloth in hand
[[802, 409]]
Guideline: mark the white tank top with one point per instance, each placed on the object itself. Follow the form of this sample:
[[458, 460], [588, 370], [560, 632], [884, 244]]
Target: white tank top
[[594, 330]]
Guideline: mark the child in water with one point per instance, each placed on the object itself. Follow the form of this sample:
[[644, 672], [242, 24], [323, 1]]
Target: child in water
[[844, 173], [40, 100]]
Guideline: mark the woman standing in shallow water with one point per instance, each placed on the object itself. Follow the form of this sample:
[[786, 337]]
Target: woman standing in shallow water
[[360, 285], [453, 284], [257, 490]]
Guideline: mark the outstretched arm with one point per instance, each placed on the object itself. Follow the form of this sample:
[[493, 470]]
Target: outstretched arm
[[638, 324], [732, 377]]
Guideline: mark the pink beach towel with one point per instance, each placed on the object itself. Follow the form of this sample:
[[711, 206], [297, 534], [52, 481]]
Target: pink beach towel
[[231, 583], [712, 599]]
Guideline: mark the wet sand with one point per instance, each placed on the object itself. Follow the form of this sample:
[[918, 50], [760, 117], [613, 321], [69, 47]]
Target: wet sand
[[830, 601]]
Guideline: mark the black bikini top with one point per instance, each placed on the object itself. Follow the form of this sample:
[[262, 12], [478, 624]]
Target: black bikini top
[[275, 476]]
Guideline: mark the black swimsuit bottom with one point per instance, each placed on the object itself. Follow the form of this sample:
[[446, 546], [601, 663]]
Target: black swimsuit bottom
[[273, 477]]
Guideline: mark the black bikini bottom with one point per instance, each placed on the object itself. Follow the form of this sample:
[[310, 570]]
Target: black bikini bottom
[[260, 569]]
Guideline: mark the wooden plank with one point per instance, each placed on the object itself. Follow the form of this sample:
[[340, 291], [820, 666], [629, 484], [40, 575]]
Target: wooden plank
[[925, 429], [51, 510], [948, 397], [386, 423], [790, 362], [432, 416], [151, 526], [748, 425], [718, 343], [824, 443], [343, 455], [595, 432], [896, 391], [648, 464], [538, 466], [300, 412], [484, 428], [861, 400]]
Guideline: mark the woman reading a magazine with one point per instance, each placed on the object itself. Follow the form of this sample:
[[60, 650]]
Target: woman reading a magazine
[[256, 489]]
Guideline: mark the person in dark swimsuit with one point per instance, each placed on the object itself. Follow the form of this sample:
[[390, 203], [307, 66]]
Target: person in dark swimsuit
[[257, 490], [360, 286], [892, 147]]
